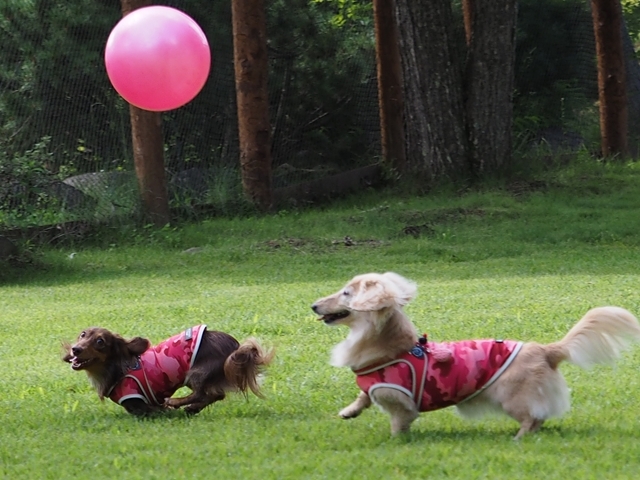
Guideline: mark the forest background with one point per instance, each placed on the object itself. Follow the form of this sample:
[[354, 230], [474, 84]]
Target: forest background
[[65, 140]]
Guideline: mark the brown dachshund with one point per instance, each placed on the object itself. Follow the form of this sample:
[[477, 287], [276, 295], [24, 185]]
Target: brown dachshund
[[142, 378]]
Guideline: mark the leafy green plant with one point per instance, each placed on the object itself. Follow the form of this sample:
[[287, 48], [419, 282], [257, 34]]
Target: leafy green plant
[[23, 183]]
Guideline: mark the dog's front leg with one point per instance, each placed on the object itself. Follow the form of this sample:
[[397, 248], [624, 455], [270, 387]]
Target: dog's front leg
[[399, 406], [139, 408], [352, 411]]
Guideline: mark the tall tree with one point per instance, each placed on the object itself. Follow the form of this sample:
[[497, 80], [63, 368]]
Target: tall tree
[[632, 75], [612, 88], [148, 154], [490, 78], [458, 107], [389, 73], [251, 72]]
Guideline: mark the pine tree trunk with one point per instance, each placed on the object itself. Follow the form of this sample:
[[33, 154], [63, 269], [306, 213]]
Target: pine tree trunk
[[632, 70], [612, 90], [435, 132], [490, 78], [148, 150], [251, 71], [148, 156], [390, 92]]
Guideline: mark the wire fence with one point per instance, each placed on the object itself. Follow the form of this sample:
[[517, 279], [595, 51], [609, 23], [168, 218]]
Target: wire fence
[[65, 146]]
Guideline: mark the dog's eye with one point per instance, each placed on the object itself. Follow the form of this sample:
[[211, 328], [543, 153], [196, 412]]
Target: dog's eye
[[100, 342], [83, 334], [345, 293]]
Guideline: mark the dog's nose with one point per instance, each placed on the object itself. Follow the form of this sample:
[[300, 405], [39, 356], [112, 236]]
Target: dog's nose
[[76, 350], [314, 307]]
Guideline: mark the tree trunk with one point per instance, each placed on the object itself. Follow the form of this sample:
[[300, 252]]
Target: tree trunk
[[612, 90], [390, 96], [436, 141], [632, 75], [148, 151], [490, 77], [459, 116], [148, 155], [251, 71], [468, 8]]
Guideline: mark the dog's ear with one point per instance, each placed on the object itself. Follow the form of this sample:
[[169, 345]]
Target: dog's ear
[[367, 296], [137, 346], [407, 289], [384, 291], [381, 291]]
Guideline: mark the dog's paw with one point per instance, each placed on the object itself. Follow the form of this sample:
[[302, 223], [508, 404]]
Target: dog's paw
[[348, 412], [192, 410]]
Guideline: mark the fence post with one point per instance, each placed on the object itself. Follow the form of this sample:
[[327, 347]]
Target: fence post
[[251, 71], [612, 90], [390, 93], [148, 151]]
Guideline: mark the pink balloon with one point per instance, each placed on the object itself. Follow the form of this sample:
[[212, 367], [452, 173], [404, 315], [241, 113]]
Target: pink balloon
[[157, 58]]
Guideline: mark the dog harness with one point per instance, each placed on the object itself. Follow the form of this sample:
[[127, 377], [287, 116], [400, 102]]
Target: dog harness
[[437, 375], [161, 370]]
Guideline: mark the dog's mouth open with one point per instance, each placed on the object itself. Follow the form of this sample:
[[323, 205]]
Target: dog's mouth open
[[334, 317], [78, 364]]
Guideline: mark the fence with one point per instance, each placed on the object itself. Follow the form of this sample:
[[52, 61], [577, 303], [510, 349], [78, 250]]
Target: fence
[[65, 146]]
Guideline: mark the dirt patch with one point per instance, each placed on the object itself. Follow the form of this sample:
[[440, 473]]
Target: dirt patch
[[519, 188], [419, 230], [315, 245], [443, 215], [286, 242], [350, 242], [422, 223]]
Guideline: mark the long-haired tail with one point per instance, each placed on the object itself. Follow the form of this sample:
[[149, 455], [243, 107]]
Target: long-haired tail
[[243, 367], [598, 338]]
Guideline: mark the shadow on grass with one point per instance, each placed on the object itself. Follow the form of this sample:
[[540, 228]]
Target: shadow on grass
[[504, 435], [281, 267]]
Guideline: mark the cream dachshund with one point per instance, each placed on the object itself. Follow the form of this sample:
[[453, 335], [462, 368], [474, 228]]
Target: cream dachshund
[[405, 374]]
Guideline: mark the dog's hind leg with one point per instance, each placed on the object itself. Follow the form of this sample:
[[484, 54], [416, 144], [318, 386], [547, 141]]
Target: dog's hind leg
[[195, 402], [352, 411], [194, 397], [197, 406], [398, 405], [528, 425], [530, 414]]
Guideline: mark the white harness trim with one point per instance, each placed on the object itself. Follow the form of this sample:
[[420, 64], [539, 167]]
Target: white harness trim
[[416, 395]]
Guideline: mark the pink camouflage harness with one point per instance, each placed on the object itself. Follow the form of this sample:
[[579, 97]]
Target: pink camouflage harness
[[437, 375], [160, 370]]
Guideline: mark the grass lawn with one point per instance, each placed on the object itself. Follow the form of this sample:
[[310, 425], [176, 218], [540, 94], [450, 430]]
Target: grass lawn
[[522, 262]]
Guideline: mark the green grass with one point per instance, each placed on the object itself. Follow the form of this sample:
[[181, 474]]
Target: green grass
[[488, 262]]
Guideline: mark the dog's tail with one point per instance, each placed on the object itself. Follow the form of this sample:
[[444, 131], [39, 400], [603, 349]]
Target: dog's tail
[[599, 337], [243, 367]]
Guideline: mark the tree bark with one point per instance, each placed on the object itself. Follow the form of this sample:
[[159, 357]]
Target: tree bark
[[612, 90], [390, 95], [148, 155], [251, 72], [458, 114], [435, 133], [490, 79], [148, 151], [632, 76], [468, 8]]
